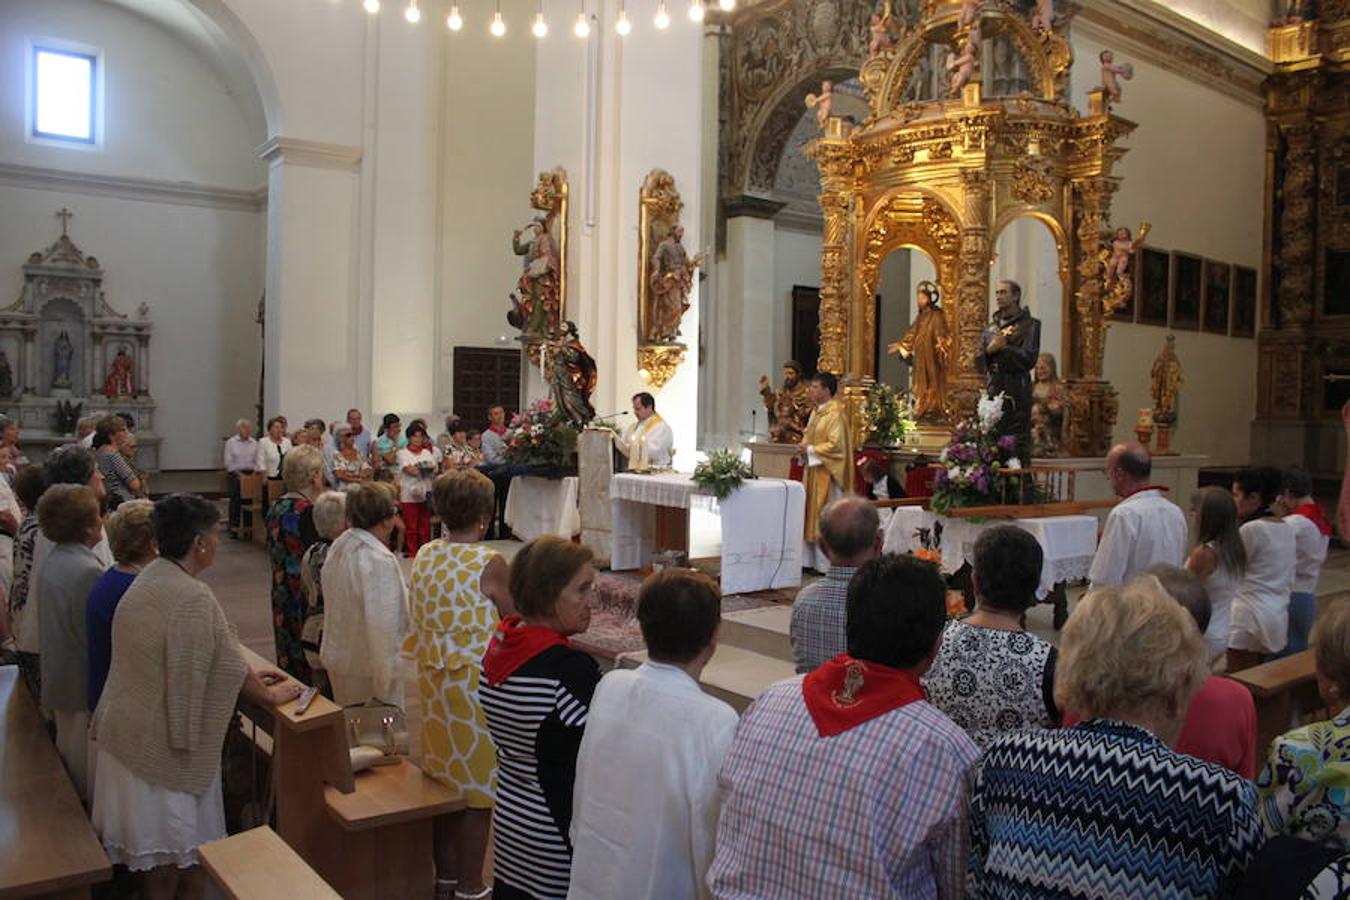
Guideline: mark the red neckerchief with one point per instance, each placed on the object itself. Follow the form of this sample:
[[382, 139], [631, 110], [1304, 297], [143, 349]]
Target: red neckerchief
[[514, 644], [356, 429], [497, 429], [1313, 513], [1147, 487], [846, 692]]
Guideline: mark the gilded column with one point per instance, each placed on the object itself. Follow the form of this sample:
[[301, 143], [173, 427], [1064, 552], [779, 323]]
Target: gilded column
[[837, 201], [1094, 407], [1296, 262], [972, 289]]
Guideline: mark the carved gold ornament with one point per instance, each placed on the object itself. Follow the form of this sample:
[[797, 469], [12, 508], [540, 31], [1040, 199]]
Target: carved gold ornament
[[657, 363]]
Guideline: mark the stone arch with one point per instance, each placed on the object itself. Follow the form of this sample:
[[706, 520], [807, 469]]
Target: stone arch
[[770, 131], [232, 39]]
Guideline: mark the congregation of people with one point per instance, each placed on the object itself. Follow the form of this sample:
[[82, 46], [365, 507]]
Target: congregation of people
[[915, 753]]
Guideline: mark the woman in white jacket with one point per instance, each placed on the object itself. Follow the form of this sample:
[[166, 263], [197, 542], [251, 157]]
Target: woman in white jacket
[[365, 603]]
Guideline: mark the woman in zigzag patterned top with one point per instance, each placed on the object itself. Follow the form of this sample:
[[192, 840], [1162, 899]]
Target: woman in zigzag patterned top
[[1106, 808], [536, 693]]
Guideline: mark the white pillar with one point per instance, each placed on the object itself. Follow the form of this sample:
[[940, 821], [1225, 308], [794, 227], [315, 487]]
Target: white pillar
[[744, 330], [312, 202]]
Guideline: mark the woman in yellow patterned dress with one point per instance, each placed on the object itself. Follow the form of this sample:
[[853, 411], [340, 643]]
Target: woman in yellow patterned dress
[[457, 594]]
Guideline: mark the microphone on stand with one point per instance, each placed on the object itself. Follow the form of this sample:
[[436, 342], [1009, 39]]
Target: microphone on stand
[[754, 422]]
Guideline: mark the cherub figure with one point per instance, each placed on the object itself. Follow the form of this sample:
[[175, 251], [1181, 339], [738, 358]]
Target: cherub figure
[[970, 11], [1043, 19], [883, 35], [963, 67], [823, 103], [1123, 246], [1111, 75]]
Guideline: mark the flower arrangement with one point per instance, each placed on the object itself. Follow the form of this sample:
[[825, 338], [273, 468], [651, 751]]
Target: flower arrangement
[[722, 472], [541, 435], [886, 416], [976, 462]]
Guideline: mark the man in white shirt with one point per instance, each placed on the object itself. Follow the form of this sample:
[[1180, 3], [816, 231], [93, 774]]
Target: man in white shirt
[[1312, 537], [241, 455], [1144, 529], [648, 443], [494, 448], [644, 820]]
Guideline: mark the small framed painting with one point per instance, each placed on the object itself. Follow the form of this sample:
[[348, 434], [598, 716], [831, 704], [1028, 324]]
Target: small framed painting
[[1151, 282], [1216, 305], [1244, 302], [1187, 284]]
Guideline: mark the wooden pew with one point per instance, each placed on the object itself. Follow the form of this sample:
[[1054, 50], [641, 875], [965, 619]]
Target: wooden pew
[[258, 865], [369, 835], [47, 846], [1280, 688]]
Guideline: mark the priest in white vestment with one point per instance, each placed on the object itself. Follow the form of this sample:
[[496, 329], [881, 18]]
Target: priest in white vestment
[[649, 442], [1144, 529], [644, 820]]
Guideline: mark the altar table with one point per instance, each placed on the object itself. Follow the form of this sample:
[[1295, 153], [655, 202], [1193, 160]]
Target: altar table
[[761, 526], [538, 506], [1069, 542]]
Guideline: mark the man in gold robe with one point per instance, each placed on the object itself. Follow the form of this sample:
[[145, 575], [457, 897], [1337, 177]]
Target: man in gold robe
[[828, 457], [926, 347]]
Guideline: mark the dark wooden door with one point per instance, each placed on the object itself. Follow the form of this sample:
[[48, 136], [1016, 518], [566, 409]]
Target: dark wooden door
[[484, 377], [806, 329]]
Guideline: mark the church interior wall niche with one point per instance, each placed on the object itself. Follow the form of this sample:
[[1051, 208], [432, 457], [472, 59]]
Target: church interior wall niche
[[665, 278], [539, 301]]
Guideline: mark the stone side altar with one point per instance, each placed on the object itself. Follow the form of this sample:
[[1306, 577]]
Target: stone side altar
[[65, 353]]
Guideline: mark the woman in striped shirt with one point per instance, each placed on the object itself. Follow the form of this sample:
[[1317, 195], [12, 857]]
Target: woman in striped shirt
[[536, 692]]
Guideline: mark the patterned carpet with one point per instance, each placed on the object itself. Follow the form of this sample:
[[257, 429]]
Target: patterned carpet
[[614, 628]]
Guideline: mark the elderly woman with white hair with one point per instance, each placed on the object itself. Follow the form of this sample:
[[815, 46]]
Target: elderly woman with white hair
[[1131, 659], [290, 531], [330, 520]]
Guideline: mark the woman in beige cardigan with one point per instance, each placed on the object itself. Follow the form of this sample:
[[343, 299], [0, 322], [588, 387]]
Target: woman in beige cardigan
[[176, 673]]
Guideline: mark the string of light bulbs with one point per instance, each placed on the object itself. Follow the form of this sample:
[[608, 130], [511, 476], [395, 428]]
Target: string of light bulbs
[[623, 26]]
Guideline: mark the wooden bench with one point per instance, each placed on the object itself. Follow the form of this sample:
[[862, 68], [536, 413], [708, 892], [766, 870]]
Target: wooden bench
[[369, 835], [1281, 689], [259, 865], [47, 846]]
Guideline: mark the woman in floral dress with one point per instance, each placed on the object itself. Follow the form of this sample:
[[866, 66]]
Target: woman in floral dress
[[290, 531]]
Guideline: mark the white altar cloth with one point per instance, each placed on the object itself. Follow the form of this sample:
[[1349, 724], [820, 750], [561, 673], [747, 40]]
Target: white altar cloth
[[761, 526], [538, 506], [1069, 542]]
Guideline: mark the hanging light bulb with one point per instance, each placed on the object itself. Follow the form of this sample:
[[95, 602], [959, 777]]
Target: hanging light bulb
[[498, 27], [726, 5], [412, 13], [623, 26], [696, 11], [454, 21], [583, 28], [372, 6], [662, 20], [540, 27]]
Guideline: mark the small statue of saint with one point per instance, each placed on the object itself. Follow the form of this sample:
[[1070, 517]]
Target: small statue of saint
[[970, 11], [672, 278], [1009, 347], [6, 376], [1049, 403], [1111, 75], [119, 382], [536, 301], [927, 347], [572, 375], [822, 103], [62, 353], [883, 34], [789, 406], [1166, 383]]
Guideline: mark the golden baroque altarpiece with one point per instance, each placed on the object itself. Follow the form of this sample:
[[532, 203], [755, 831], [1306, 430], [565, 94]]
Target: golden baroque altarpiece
[[1304, 341], [946, 176]]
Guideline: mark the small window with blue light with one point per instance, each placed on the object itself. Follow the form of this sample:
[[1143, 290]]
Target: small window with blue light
[[63, 95]]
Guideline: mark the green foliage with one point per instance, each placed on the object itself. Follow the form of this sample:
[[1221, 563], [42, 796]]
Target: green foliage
[[886, 416], [722, 472]]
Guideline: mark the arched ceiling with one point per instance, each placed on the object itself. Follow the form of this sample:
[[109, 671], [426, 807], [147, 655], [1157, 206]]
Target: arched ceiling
[[194, 28]]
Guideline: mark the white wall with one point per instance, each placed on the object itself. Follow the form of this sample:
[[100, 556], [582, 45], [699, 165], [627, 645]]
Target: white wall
[[169, 118], [1195, 170]]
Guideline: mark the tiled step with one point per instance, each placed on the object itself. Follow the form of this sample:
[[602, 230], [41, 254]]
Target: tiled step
[[763, 630], [734, 675]]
